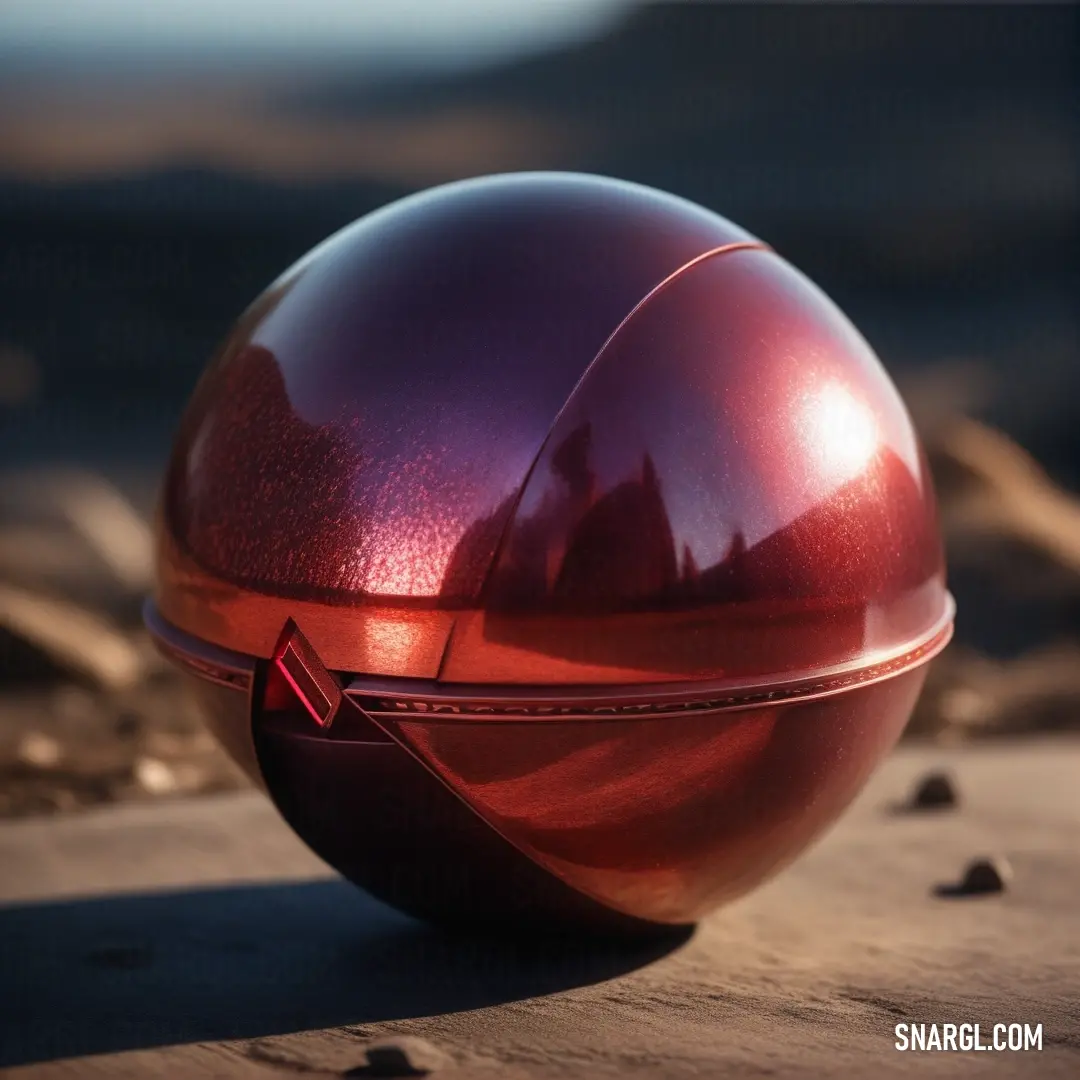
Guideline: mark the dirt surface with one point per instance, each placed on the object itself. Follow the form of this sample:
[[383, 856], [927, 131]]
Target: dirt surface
[[199, 937]]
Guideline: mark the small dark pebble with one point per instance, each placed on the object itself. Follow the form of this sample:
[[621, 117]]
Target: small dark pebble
[[935, 791], [406, 1056], [128, 724], [982, 878], [121, 957]]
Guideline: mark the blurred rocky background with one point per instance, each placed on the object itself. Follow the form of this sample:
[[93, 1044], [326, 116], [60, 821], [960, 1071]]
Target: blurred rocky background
[[159, 165]]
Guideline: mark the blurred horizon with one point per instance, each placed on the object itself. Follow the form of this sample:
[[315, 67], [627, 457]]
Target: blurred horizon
[[123, 40], [920, 163]]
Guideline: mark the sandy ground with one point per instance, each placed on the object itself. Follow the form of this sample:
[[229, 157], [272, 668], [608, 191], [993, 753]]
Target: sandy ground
[[198, 937]]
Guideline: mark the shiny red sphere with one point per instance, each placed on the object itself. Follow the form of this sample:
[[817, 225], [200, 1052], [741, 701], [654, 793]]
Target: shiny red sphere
[[553, 551]]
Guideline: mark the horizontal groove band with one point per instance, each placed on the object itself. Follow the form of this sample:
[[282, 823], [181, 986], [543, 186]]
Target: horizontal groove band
[[449, 703]]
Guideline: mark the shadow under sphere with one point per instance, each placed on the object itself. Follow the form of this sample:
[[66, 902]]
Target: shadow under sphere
[[135, 971]]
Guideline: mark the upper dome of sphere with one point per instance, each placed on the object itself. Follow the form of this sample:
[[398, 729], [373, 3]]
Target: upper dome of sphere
[[550, 428]]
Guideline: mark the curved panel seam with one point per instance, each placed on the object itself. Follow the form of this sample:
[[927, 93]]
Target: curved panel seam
[[491, 819], [723, 249], [738, 245]]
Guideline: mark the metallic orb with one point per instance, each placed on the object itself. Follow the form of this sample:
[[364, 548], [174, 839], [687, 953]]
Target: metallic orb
[[553, 552]]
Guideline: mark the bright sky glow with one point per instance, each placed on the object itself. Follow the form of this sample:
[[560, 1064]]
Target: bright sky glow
[[399, 27]]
